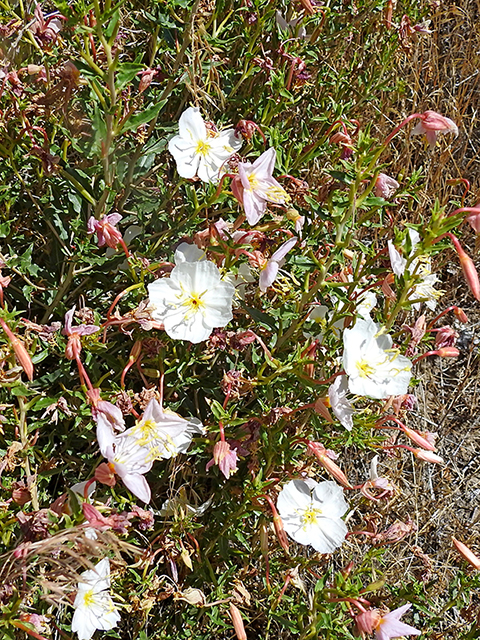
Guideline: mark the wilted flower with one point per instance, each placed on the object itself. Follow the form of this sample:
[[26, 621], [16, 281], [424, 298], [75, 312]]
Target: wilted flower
[[225, 457], [269, 273], [163, 432], [385, 186], [107, 233], [109, 419], [199, 151], [94, 608], [431, 124], [192, 301], [255, 186], [311, 513], [373, 367], [74, 344]]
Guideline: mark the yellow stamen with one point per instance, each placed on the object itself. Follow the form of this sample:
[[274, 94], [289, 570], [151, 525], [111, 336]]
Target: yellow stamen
[[364, 369], [253, 180], [88, 598], [310, 516], [203, 147]]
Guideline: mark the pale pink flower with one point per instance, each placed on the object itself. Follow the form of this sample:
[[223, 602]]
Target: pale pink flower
[[385, 186], [255, 186], [431, 124], [389, 625], [270, 271], [74, 344], [225, 457], [107, 233], [474, 219]]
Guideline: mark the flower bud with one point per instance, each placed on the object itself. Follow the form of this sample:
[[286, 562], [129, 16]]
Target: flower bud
[[105, 473], [367, 621], [460, 314], [237, 622], [468, 268], [418, 438], [448, 352], [428, 456], [327, 463], [467, 554], [21, 353]]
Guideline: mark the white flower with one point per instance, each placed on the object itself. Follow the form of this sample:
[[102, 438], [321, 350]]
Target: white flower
[[341, 406], [192, 301], [164, 433], [94, 608], [201, 152], [420, 266], [374, 369], [131, 461], [365, 303], [311, 513]]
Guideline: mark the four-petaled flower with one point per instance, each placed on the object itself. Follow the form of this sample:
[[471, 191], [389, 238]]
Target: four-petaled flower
[[374, 369], [311, 513], [255, 186], [94, 608], [193, 301], [199, 151]]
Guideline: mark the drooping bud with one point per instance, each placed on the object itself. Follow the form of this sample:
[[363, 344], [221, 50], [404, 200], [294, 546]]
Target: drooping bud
[[237, 622], [428, 456], [467, 553], [327, 463], [21, 353], [468, 268]]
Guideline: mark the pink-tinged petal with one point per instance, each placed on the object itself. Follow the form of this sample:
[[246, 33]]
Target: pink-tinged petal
[[85, 329], [191, 125], [281, 252], [244, 170], [268, 275], [418, 129], [67, 330], [254, 207], [113, 218], [436, 122], [431, 138], [137, 484], [91, 225], [265, 164]]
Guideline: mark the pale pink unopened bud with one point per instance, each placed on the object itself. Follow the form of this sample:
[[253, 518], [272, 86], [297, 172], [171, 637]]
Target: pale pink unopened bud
[[418, 438], [468, 268], [105, 473], [237, 622], [327, 463], [21, 353], [467, 553], [460, 314], [448, 352], [428, 456]]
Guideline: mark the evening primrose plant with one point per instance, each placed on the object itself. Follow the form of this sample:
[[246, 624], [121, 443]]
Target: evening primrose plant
[[220, 289]]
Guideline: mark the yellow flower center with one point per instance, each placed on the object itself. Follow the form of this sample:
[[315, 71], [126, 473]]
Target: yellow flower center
[[88, 598], [147, 429], [203, 147], [364, 369], [310, 516], [253, 180]]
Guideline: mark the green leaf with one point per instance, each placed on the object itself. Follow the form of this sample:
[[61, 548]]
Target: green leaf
[[126, 72], [262, 318], [138, 119]]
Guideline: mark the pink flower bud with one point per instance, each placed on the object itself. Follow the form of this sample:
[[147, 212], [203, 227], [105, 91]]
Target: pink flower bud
[[428, 456], [418, 439], [460, 314], [467, 554], [21, 353], [237, 622], [468, 268], [327, 463], [448, 352]]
